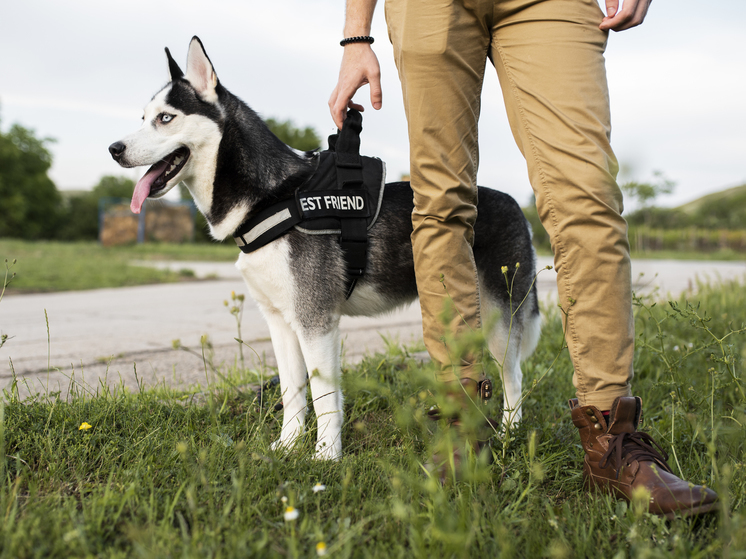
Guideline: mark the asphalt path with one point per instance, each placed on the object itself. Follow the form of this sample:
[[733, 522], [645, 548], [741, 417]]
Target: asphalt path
[[84, 339]]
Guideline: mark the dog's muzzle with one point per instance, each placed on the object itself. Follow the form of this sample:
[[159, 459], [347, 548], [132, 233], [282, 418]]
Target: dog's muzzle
[[116, 150]]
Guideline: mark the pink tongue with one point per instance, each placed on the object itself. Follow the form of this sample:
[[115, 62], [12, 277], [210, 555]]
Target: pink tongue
[[142, 189]]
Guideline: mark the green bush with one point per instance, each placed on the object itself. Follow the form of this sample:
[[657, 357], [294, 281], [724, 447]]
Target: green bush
[[540, 235], [29, 200], [79, 216]]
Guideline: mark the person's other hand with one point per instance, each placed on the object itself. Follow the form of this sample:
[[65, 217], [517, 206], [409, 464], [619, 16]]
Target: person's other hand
[[632, 14]]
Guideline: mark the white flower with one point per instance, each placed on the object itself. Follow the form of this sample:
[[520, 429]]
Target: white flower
[[291, 514], [319, 487], [284, 499], [321, 549]]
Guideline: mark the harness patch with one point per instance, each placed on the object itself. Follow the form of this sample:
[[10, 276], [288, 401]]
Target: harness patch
[[332, 203]]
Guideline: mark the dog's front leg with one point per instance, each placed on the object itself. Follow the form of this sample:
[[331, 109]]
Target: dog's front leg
[[292, 371], [512, 377], [322, 354]]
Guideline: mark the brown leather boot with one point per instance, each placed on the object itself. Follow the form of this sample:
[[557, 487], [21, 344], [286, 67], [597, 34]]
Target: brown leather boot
[[464, 398], [620, 459]]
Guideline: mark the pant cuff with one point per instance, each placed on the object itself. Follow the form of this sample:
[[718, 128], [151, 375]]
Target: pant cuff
[[448, 373], [604, 398]]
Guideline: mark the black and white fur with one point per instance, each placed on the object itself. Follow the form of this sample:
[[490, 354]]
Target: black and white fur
[[235, 166]]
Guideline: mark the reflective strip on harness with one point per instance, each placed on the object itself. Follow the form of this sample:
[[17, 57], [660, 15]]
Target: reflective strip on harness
[[258, 230], [266, 226]]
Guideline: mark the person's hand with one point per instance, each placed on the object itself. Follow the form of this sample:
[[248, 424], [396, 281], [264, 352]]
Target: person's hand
[[632, 14], [359, 67]]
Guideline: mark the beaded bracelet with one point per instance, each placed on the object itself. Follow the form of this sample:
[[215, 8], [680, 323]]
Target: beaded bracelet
[[360, 39]]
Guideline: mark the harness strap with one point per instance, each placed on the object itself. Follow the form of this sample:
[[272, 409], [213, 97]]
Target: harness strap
[[267, 225], [354, 240]]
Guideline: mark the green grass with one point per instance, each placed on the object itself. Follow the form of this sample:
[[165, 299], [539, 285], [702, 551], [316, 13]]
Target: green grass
[[57, 266], [190, 473]]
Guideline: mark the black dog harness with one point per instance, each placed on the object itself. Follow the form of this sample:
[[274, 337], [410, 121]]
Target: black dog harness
[[342, 197]]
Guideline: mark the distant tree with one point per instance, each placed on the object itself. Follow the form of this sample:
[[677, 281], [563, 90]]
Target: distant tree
[[114, 187], [645, 194], [79, 221], [29, 200], [304, 139]]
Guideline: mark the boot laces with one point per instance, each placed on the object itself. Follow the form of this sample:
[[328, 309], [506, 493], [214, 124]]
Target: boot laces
[[629, 447]]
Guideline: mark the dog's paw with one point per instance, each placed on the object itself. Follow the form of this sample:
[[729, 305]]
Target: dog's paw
[[286, 442], [511, 420], [278, 445], [328, 451]]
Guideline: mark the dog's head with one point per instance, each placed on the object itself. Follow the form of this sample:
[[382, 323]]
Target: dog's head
[[181, 129]]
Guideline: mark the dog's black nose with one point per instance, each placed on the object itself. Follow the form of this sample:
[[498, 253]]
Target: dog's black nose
[[116, 150]]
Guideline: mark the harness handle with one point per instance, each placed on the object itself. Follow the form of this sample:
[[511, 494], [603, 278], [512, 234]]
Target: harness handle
[[348, 142]]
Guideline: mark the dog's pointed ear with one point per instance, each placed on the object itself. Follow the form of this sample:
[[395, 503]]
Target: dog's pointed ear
[[174, 71], [200, 72]]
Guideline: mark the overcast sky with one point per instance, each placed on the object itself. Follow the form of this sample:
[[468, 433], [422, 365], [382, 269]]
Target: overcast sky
[[80, 71]]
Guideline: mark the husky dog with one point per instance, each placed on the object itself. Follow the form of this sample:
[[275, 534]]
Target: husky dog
[[194, 131]]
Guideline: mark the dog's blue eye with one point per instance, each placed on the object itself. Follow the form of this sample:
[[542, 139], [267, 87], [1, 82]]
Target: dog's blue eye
[[166, 117]]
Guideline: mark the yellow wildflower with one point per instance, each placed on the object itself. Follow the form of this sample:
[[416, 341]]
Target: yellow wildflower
[[84, 426]]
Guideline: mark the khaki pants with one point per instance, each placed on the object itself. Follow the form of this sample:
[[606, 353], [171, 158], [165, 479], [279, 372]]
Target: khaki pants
[[549, 58]]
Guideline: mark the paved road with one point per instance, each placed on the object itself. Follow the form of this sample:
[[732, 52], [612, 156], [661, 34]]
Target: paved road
[[126, 335]]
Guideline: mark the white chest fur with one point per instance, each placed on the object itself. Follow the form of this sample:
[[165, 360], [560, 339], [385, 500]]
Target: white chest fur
[[266, 272]]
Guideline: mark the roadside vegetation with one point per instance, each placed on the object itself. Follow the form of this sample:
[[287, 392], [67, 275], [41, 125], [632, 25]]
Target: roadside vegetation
[[190, 473], [65, 266], [709, 228]]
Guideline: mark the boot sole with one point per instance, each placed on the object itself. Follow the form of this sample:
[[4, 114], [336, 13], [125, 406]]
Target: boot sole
[[693, 511], [590, 485]]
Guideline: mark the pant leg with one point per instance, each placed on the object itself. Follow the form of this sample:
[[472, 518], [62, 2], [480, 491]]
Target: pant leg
[[441, 50], [549, 58]]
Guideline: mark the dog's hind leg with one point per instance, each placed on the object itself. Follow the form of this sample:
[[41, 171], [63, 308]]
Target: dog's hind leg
[[322, 353], [292, 371]]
